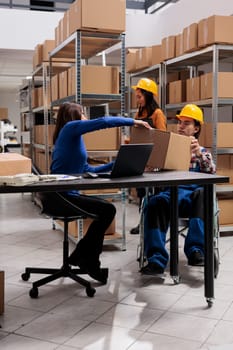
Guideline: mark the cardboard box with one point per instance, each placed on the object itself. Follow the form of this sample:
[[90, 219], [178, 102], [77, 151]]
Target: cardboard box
[[193, 89], [47, 47], [171, 151], [14, 163], [179, 45], [225, 211], [63, 84], [3, 113], [168, 47], [224, 88], [225, 166], [2, 292], [102, 140], [190, 38], [144, 58], [215, 29], [102, 15], [39, 134], [156, 54], [177, 91], [131, 60], [55, 87], [224, 134], [95, 80], [100, 79]]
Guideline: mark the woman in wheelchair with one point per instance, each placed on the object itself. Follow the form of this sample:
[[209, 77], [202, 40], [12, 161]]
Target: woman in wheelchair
[[190, 203]]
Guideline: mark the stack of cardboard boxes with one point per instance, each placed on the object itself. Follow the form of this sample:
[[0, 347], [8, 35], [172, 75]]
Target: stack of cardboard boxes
[[208, 31]]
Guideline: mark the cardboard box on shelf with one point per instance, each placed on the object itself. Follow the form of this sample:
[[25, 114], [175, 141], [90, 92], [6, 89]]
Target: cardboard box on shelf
[[168, 47], [225, 83], [95, 80], [103, 140], [225, 211], [225, 166], [131, 60], [156, 54], [190, 38], [2, 292], [167, 145], [3, 113], [39, 134], [224, 134], [14, 163], [179, 45], [63, 84], [144, 58], [102, 15], [215, 29], [193, 89], [177, 91], [100, 79]]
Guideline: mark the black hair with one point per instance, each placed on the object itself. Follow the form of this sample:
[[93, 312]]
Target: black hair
[[150, 104]]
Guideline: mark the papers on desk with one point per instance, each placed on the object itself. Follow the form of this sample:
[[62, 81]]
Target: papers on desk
[[26, 179]]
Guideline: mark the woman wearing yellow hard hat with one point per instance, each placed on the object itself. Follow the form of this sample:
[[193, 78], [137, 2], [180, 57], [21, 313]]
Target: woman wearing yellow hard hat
[[190, 203], [148, 110]]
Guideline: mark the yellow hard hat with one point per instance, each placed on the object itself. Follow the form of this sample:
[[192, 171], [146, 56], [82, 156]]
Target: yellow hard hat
[[148, 85], [191, 111]]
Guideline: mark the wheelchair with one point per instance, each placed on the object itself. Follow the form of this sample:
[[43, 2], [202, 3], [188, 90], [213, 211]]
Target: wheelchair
[[182, 228]]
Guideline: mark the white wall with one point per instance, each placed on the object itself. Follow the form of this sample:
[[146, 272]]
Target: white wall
[[23, 30], [144, 30]]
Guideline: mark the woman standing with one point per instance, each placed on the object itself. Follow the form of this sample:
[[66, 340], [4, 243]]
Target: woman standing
[[70, 157], [148, 110]]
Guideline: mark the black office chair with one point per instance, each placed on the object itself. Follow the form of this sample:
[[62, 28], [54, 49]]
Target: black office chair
[[56, 206]]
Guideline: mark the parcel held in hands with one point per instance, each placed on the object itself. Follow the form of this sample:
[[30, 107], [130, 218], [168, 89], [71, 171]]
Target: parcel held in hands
[[171, 151]]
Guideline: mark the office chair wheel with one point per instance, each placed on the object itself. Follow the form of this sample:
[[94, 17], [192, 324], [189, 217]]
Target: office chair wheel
[[90, 291], [25, 276], [34, 292]]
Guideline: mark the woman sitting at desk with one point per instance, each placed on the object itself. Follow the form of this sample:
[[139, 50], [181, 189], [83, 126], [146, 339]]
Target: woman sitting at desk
[[70, 157], [190, 203]]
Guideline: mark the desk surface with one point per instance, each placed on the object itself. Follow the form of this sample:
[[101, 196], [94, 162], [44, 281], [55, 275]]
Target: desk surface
[[163, 178]]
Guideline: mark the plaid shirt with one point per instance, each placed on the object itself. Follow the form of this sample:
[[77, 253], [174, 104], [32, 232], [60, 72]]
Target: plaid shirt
[[204, 163]]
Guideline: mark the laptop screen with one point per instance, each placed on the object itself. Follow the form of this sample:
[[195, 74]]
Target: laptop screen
[[131, 160]]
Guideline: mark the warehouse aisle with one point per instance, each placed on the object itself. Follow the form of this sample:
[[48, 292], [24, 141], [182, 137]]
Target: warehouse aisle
[[131, 312]]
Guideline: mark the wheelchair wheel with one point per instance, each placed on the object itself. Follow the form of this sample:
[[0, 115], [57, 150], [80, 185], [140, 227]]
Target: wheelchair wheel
[[216, 262]]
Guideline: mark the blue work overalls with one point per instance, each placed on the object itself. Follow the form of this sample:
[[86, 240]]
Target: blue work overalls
[[157, 218]]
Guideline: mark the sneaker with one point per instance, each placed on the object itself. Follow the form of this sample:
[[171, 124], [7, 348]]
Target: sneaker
[[152, 269], [135, 230], [196, 258]]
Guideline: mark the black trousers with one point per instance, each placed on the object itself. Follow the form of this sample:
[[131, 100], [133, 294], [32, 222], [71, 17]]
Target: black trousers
[[91, 245]]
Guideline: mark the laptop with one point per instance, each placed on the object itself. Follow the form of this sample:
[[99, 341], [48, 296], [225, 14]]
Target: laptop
[[131, 160]]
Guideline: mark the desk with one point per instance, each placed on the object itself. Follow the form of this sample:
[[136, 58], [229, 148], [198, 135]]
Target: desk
[[160, 179]]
